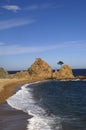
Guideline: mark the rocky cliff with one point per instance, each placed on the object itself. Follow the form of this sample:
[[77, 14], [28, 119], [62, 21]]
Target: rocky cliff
[[40, 69], [64, 73], [3, 73]]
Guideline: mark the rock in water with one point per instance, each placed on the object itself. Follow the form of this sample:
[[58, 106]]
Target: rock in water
[[66, 72], [3, 73], [40, 69]]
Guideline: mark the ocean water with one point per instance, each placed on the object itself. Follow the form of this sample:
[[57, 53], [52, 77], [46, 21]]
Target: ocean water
[[53, 105], [78, 72], [13, 71]]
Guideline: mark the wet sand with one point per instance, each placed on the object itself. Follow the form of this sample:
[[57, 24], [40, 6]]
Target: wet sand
[[10, 118]]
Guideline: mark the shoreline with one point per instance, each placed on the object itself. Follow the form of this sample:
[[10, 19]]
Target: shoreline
[[9, 115], [9, 86]]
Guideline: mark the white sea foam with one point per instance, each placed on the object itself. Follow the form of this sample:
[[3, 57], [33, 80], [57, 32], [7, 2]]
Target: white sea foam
[[44, 123], [73, 80], [23, 100], [67, 80]]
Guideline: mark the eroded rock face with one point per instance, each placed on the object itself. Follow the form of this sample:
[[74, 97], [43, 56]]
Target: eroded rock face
[[64, 73], [40, 69], [55, 75], [3, 73]]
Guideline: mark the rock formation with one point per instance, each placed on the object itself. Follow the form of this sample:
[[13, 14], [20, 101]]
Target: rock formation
[[55, 75], [21, 74], [40, 69], [64, 73], [81, 77], [3, 73]]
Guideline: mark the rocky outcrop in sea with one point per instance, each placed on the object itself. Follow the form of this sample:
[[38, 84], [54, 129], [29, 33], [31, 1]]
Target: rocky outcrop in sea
[[64, 73], [40, 69]]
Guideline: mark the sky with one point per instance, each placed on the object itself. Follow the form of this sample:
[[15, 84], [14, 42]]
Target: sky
[[53, 30]]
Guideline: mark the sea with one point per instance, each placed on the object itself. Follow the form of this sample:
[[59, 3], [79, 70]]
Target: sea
[[53, 104]]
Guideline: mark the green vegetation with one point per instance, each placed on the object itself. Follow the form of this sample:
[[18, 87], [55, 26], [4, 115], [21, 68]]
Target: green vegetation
[[60, 63]]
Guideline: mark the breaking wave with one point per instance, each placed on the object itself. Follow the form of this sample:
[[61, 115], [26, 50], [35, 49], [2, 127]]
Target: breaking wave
[[23, 100]]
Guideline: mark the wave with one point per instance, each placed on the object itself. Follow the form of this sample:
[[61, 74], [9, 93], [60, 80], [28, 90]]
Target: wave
[[46, 123], [23, 100], [66, 80]]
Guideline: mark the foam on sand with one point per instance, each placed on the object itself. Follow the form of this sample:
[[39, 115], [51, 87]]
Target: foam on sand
[[23, 100]]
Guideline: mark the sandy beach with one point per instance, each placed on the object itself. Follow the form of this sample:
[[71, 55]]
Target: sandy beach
[[8, 86], [9, 115], [10, 118]]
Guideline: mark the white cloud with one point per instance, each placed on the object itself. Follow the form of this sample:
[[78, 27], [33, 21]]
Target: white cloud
[[14, 23], [11, 7], [76, 44], [37, 7], [18, 49], [32, 7], [42, 6]]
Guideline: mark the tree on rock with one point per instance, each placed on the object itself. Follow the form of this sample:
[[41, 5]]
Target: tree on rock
[[60, 63]]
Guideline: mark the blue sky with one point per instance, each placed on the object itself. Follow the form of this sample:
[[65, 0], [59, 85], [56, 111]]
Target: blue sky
[[50, 29]]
